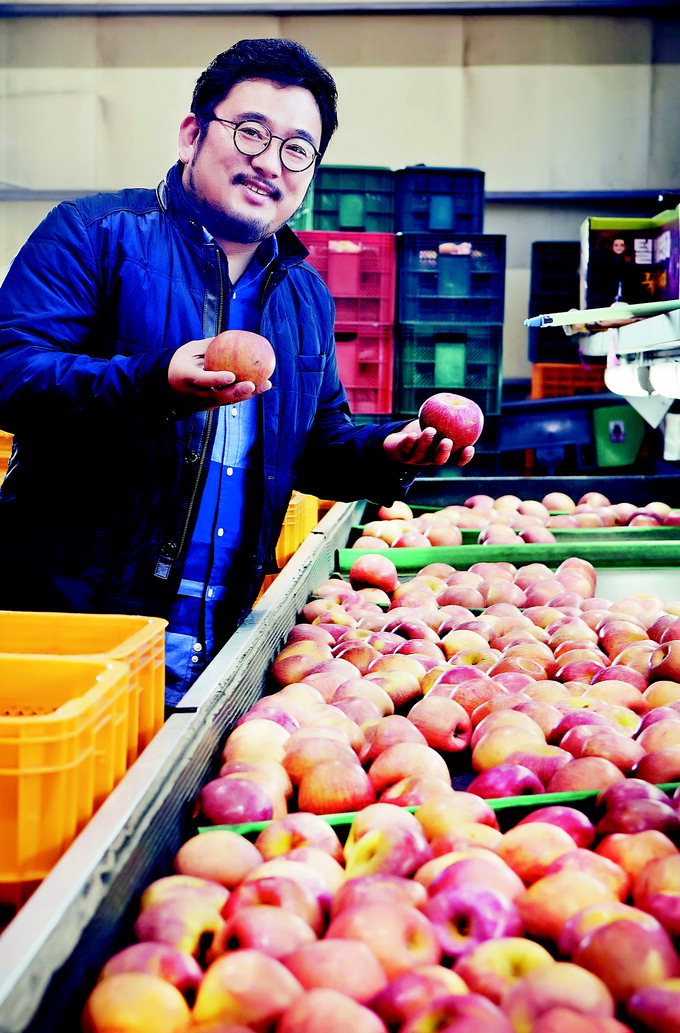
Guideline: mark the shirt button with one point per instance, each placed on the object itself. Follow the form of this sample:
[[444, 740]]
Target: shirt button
[[211, 592], [220, 532], [194, 659], [230, 471], [197, 647], [234, 411]]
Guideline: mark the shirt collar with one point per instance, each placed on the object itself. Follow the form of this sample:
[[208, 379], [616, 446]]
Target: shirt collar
[[267, 251]]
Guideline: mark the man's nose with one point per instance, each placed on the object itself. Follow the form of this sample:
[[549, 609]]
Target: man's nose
[[269, 160]]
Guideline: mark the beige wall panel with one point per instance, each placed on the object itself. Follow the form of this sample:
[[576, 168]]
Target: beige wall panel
[[53, 115], [131, 152], [555, 39], [664, 125], [429, 40], [385, 117], [559, 128], [175, 42], [18, 219]]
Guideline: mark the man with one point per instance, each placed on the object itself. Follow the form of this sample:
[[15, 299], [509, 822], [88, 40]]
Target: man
[[140, 482]]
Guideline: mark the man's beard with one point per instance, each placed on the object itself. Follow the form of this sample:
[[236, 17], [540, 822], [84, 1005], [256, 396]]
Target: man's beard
[[224, 225]]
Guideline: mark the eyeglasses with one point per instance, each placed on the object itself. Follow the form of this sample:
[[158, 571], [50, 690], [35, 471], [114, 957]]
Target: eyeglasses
[[252, 138]]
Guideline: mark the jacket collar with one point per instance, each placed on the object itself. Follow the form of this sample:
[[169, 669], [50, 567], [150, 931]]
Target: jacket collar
[[173, 199]]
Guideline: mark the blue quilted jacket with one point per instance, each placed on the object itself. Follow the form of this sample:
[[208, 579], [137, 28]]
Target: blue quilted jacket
[[100, 498]]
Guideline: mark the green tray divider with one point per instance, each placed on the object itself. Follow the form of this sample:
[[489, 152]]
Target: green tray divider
[[573, 534], [505, 803], [599, 553]]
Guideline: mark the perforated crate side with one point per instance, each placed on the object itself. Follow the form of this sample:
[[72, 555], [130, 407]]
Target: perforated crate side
[[360, 271], [450, 278], [58, 718], [431, 199], [435, 357], [555, 379], [366, 366], [348, 197]]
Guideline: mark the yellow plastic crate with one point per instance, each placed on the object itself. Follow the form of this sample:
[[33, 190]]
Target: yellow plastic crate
[[301, 517], [62, 722], [137, 641]]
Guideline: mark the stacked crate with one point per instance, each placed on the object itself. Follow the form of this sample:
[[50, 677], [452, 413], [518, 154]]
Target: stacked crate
[[450, 290], [352, 247], [554, 287]]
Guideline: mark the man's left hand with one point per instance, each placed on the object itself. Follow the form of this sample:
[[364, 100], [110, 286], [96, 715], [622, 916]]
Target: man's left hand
[[424, 447]]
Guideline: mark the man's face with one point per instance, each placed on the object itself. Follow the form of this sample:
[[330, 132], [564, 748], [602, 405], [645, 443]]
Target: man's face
[[245, 198]]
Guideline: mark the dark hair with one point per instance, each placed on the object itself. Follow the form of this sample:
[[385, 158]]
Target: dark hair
[[281, 61]]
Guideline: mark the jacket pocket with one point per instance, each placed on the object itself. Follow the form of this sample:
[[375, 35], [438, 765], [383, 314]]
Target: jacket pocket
[[311, 369]]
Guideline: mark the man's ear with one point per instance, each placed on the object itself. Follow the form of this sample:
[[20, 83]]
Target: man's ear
[[189, 132]]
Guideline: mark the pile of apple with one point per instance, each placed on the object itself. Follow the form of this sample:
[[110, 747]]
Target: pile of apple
[[384, 689], [507, 520], [435, 920]]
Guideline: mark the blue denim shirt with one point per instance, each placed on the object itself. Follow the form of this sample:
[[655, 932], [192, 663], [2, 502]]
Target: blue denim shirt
[[210, 572]]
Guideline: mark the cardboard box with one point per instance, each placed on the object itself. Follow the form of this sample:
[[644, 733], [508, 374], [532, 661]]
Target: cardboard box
[[632, 260]]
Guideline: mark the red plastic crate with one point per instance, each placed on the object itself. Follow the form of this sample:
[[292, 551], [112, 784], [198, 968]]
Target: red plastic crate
[[554, 379], [366, 366], [360, 270]]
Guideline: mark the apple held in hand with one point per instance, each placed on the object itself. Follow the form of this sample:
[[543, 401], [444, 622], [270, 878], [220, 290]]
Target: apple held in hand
[[247, 355], [452, 416]]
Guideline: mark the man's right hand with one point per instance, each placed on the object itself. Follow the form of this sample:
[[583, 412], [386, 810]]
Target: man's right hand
[[197, 388]]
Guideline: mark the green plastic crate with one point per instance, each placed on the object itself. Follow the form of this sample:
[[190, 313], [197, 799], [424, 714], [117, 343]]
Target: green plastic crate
[[348, 197], [433, 357]]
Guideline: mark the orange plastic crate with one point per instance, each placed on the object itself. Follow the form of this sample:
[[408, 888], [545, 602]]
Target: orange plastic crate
[[137, 641], [5, 449], [62, 721], [555, 379]]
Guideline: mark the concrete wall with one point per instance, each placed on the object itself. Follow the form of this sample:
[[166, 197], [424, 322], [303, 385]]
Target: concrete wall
[[540, 102]]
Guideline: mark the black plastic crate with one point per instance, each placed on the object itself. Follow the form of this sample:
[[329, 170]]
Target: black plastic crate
[[450, 278], [348, 197], [554, 288], [431, 199], [431, 357]]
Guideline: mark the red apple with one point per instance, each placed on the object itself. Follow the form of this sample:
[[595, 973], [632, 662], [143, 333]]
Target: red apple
[[135, 1001], [323, 1008], [398, 934], [300, 828], [297, 895], [378, 887], [627, 956], [452, 416], [249, 356], [218, 854], [373, 569], [562, 984], [156, 959], [657, 890], [589, 918], [413, 990], [656, 1007], [187, 922], [230, 801], [506, 780], [266, 928], [349, 966], [458, 1013], [463, 916], [334, 786], [444, 723]]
